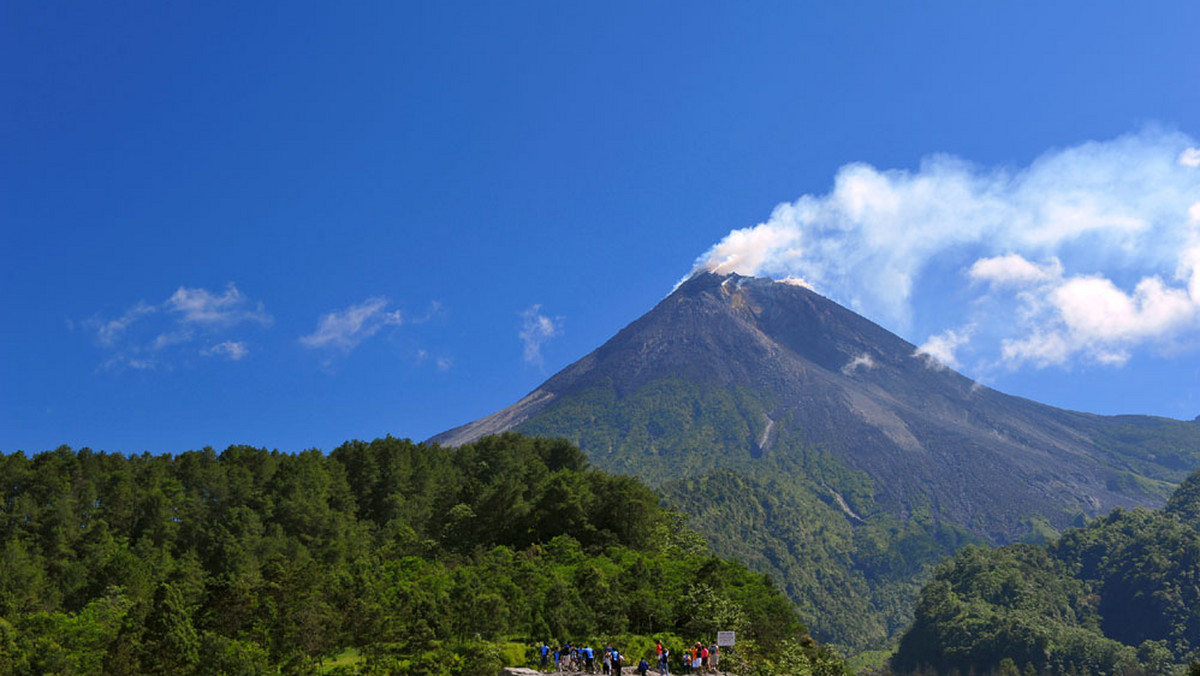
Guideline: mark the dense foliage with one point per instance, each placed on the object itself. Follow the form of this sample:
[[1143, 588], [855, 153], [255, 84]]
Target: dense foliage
[[406, 558], [790, 510], [1121, 595]]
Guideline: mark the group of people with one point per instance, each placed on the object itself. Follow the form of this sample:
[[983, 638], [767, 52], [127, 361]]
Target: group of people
[[700, 658], [581, 658], [697, 659]]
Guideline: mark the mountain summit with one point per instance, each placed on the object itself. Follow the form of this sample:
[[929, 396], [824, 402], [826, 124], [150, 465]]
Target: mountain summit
[[780, 399], [837, 380]]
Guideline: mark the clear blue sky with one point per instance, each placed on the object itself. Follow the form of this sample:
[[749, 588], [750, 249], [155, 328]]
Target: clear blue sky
[[294, 224]]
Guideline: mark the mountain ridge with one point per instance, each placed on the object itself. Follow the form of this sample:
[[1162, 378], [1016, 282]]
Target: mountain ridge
[[824, 450], [909, 414]]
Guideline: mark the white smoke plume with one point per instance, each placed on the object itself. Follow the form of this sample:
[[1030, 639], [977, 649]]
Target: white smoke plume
[[1089, 252]]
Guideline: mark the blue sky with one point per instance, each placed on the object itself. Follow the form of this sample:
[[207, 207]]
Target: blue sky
[[298, 224]]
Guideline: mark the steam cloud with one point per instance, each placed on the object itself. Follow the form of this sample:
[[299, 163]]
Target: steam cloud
[[1088, 253]]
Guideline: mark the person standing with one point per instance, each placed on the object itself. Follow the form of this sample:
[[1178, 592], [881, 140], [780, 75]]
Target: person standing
[[663, 669]]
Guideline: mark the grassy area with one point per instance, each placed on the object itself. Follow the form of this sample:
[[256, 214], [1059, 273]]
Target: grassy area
[[871, 659], [349, 658]]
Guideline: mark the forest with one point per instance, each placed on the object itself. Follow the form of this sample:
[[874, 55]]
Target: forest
[[1120, 595], [381, 557]]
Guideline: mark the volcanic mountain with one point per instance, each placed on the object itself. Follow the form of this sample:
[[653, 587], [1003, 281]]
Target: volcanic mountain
[[829, 452]]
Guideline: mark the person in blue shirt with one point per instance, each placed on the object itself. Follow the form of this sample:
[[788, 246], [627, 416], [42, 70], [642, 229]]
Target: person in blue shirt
[[545, 652]]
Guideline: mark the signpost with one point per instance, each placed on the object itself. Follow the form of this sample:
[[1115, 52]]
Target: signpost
[[725, 638]]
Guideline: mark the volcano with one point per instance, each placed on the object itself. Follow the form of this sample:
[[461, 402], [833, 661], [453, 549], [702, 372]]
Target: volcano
[[755, 404]]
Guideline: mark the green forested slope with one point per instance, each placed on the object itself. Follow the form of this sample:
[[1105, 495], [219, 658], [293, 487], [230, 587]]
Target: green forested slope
[[414, 559], [1119, 595], [822, 449], [785, 507]]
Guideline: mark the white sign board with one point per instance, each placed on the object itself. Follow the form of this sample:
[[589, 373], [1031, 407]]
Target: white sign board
[[725, 638]]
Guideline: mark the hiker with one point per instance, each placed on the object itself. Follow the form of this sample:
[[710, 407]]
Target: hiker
[[545, 652], [643, 667], [616, 662], [714, 657], [663, 669]]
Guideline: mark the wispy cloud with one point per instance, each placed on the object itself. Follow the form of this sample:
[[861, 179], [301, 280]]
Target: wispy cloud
[[202, 306], [230, 349], [536, 329], [1090, 252], [348, 327], [155, 336], [109, 332]]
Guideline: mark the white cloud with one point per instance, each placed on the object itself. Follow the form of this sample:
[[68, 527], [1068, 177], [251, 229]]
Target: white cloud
[[345, 329], [205, 307], [231, 350], [111, 331], [165, 340], [536, 329], [442, 362], [1090, 317], [120, 362], [1089, 252], [1014, 270], [1038, 348], [147, 337], [939, 351]]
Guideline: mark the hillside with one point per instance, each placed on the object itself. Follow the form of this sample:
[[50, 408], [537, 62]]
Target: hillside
[[1121, 595], [395, 558], [819, 447]]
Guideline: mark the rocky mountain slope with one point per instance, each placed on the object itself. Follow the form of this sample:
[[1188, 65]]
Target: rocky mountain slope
[[779, 402]]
